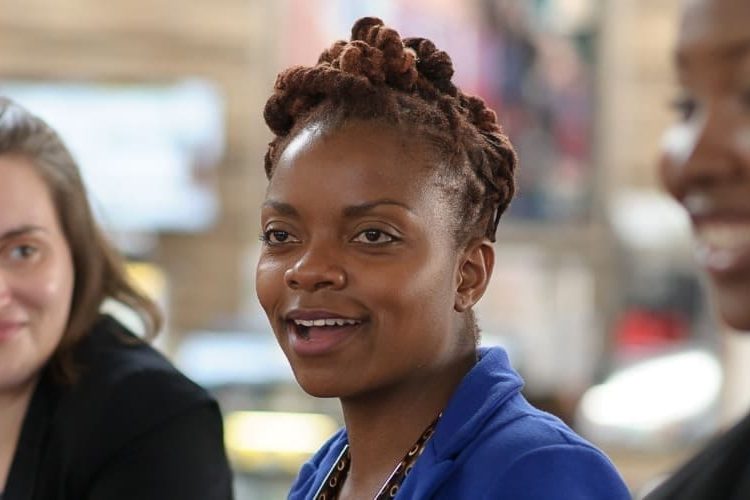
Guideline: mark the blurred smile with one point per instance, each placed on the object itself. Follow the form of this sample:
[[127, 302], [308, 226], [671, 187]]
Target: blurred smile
[[723, 244], [10, 329]]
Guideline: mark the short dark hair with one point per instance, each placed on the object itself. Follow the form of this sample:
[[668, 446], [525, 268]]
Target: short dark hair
[[379, 76], [98, 267]]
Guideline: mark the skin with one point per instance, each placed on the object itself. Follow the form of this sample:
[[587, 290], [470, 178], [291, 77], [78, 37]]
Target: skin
[[356, 226], [706, 157], [36, 287]]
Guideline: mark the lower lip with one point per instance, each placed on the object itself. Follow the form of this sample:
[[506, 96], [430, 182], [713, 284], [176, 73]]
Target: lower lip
[[320, 341], [724, 263], [7, 332]]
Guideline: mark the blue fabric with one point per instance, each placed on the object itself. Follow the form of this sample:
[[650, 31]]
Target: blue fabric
[[492, 444]]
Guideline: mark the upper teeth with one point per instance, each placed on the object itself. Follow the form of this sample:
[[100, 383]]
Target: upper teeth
[[325, 322]]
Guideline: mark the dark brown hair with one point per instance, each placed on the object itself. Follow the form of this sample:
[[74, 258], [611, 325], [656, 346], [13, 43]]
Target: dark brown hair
[[98, 268], [379, 76]]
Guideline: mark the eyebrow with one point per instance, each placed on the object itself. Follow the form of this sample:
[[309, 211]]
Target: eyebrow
[[733, 50], [349, 212], [363, 208], [281, 207], [20, 231]]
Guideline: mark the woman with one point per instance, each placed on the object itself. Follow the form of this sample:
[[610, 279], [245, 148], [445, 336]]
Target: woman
[[386, 184], [87, 410], [706, 166]]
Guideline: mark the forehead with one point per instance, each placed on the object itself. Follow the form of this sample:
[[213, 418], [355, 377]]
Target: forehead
[[24, 198], [715, 30], [356, 162]]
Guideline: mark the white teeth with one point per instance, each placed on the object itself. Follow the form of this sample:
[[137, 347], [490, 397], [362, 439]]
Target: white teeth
[[724, 236], [325, 322], [697, 204]]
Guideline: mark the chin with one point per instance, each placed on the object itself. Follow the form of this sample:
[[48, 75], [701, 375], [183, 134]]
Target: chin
[[734, 307], [737, 318], [319, 385], [320, 392]]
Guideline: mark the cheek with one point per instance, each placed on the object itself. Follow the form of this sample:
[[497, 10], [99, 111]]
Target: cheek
[[60, 287], [269, 282], [677, 147], [422, 294], [666, 169], [742, 143], [49, 290]]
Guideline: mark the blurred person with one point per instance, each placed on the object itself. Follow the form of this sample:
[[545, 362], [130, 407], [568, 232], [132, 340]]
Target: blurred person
[[706, 167], [386, 185], [87, 409]]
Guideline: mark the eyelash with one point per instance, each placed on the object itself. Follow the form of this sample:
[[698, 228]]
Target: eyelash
[[266, 237], [391, 238], [685, 106], [33, 250], [20, 253]]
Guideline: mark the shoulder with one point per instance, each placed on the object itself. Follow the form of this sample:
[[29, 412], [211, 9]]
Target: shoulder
[[111, 357], [524, 445], [562, 472], [720, 470], [538, 445], [518, 428], [501, 442], [314, 471], [126, 388], [488, 414]]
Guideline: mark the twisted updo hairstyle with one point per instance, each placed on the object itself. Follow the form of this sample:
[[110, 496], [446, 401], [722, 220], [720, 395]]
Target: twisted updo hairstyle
[[404, 82]]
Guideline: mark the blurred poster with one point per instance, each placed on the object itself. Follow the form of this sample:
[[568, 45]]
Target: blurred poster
[[536, 75], [147, 153]]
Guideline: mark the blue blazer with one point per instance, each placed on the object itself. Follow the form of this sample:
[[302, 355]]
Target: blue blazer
[[492, 444]]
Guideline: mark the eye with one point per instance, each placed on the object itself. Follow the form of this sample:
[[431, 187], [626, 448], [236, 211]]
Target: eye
[[374, 237], [21, 253], [277, 237], [685, 106]]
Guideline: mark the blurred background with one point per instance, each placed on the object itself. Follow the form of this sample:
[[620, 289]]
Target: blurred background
[[595, 294]]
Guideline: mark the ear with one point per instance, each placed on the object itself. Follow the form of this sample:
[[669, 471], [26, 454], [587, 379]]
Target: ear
[[474, 272]]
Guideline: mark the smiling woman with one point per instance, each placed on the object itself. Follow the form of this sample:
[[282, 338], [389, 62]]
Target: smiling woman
[[706, 166], [386, 185], [87, 410]]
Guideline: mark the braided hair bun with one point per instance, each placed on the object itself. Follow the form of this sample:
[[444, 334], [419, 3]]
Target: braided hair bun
[[379, 75]]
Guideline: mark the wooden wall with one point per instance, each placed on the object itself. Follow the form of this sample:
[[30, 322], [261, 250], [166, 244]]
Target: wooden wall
[[636, 85], [232, 43]]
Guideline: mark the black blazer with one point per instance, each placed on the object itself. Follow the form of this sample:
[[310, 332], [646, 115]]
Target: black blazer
[[720, 471], [132, 427]]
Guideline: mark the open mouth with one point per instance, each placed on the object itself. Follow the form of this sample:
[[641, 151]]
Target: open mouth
[[312, 328], [723, 247]]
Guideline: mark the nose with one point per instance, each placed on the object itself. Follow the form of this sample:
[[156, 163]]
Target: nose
[[316, 269], [703, 153]]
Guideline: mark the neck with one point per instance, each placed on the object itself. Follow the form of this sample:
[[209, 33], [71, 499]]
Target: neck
[[384, 425], [14, 404]]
